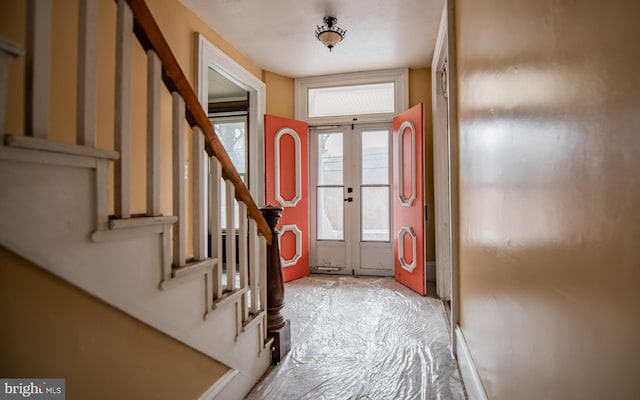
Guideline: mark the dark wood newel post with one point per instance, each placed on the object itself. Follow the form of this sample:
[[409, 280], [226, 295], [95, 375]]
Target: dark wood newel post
[[277, 327]]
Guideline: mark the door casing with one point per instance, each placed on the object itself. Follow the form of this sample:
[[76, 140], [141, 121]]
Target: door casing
[[209, 56], [445, 132]]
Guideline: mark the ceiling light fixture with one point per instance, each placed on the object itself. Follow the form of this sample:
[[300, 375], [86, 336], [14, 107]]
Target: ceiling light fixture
[[330, 34]]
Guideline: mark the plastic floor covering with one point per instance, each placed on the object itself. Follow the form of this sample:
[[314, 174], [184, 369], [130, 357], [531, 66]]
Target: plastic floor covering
[[362, 338]]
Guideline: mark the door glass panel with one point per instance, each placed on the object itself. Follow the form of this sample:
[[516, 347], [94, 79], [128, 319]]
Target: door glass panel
[[330, 189], [330, 213], [330, 159], [374, 189], [375, 157], [375, 213]]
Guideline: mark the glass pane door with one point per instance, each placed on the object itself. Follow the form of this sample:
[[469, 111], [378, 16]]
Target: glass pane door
[[350, 180], [330, 186], [374, 253]]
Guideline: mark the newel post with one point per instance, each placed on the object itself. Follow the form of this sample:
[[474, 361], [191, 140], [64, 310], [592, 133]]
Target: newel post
[[277, 327]]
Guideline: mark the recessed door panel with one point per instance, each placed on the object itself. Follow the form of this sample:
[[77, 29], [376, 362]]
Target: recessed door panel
[[408, 199]]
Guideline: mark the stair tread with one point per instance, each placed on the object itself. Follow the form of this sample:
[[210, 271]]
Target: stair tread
[[228, 297], [38, 144], [191, 269], [139, 221]]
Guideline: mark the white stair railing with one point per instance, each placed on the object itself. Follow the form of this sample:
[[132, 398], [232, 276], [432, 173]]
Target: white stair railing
[[252, 235]]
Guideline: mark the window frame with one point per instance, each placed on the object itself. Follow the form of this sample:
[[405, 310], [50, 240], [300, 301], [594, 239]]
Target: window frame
[[210, 56], [400, 78]]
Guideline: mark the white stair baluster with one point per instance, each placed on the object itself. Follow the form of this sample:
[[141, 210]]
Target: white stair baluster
[[86, 88], [242, 258], [154, 80], [254, 265], [102, 195], [215, 223], [230, 247], [263, 278], [179, 206], [199, 223], [38, 64], [124, 37]]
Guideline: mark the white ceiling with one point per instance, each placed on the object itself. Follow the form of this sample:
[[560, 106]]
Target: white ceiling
[[278, 35]]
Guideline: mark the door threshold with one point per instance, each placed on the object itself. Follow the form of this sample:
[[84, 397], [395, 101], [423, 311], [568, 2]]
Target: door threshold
[[330, 271]]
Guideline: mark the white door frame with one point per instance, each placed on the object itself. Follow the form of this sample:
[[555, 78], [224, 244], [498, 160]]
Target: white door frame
[[446, 162], [209, 56], [368, 251]]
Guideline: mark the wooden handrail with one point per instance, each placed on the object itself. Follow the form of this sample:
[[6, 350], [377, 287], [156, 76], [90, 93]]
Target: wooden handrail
[[150, 37]]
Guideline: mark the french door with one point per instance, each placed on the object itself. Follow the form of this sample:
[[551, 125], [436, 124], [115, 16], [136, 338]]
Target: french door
[[350, 198]]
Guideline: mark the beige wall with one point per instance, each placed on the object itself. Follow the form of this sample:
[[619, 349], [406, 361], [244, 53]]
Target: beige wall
[[52, 329], [177, 23], [549, 195], [280, 94]]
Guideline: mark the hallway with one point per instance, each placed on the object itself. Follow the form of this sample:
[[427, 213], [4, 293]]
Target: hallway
[[362, 338]]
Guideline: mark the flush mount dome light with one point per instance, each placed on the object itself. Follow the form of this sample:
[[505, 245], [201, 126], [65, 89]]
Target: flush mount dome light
[[330, 34]]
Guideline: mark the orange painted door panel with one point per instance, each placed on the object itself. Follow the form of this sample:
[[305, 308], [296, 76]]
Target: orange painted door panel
[[408, 199], [286, 186]]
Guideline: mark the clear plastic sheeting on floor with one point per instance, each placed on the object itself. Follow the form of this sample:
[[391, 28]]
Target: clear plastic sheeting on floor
[[362, 338]]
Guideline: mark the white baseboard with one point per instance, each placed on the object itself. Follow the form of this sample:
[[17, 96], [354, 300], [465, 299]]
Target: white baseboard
[[431, 271], [219, 386], [470, 377]]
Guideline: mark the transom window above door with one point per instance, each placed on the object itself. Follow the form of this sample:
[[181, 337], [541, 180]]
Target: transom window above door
[[374, 96]]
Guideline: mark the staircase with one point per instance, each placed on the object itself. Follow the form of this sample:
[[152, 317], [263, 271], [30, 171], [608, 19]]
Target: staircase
[[68, 207]]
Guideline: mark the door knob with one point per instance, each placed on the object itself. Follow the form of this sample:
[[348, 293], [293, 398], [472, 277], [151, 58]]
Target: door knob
[[349, 199]]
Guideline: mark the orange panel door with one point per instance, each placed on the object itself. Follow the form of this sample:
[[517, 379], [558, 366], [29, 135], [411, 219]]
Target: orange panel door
[[286, 186], [408, 199]]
